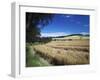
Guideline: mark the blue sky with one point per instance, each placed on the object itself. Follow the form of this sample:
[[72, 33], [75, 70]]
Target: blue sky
[[64, 24]]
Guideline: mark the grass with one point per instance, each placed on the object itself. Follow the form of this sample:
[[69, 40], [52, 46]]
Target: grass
[[33, 59]]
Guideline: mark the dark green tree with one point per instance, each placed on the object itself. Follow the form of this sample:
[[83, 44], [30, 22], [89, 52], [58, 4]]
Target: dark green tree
[[34, 23]]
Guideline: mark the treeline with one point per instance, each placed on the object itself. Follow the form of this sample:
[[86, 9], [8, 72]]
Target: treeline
[[42, 39]]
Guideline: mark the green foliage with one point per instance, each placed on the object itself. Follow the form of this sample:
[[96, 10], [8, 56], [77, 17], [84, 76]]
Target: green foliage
[[34, 23], [32, 59]]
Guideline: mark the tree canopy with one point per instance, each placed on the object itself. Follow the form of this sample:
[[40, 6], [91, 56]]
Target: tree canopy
[[34, 23]]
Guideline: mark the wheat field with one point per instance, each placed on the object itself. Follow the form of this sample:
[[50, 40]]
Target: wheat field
[[64, 52]]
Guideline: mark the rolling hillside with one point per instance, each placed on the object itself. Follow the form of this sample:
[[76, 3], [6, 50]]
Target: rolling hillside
[[73, 36]]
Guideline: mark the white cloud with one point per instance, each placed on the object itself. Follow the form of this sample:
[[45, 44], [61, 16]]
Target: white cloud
[[84, 33], [68, 16], [55, 34]]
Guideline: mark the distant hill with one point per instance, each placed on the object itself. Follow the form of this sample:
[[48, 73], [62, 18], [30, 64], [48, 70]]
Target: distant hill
[[74, 36], [81, 35]]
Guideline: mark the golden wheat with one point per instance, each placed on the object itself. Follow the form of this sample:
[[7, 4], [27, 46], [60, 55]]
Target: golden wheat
[[64, 54]]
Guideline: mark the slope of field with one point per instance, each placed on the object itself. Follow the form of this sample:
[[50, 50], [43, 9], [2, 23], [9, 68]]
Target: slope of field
[[73, 37]]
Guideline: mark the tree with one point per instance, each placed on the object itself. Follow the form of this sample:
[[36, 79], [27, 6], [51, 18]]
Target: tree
[[34, 23]]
